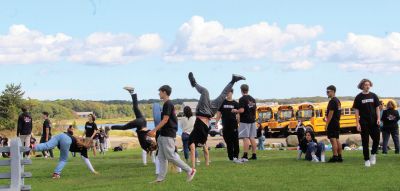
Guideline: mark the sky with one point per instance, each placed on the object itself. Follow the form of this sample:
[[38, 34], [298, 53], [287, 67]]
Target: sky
[[90, 49]]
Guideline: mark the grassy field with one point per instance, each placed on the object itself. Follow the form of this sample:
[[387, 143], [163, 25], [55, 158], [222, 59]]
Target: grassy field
[[275, 170]]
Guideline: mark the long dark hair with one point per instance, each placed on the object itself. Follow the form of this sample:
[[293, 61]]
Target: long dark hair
[[187, 111]]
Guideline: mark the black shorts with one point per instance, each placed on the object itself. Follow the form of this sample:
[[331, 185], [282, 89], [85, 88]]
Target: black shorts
[[333, 134], [199, 134]]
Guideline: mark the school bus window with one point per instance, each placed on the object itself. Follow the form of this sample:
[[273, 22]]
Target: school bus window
[[265, 116]]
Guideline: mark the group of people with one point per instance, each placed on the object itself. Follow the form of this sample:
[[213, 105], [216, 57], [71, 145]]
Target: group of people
[[238, 120], [98, 137]]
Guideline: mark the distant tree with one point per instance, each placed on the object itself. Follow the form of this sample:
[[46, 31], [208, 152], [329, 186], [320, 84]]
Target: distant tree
[[11, 100]]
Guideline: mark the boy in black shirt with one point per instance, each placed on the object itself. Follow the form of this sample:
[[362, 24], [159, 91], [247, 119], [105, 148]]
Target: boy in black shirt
[[166, 141], [368, 121], [390, 119], [24, 129], [230, 126], [333, 124], [247, 127], [46, 134], [91, 131]]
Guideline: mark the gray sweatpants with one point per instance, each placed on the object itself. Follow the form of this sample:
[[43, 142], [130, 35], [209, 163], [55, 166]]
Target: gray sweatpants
[[209, 107], [166, 153]]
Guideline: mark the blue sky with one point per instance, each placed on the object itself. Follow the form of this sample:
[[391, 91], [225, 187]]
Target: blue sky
[[90, 49]]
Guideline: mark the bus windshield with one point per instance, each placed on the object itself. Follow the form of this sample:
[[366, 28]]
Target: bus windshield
[[305, 114], [265, 116], [285, 114]]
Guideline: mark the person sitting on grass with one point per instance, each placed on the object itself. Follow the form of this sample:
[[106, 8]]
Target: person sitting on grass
[[313, 150], [66, 142]]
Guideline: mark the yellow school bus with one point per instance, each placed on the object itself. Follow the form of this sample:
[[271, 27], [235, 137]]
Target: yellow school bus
[[286, 119], [314, 116], [265, 116]]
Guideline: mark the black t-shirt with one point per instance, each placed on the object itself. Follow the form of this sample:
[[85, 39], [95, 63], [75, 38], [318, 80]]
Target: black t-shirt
[[46, 124], [249, 104], [24, 124], [366, 105], [170, 128], [228, 118], [335, 106], [90, 128]]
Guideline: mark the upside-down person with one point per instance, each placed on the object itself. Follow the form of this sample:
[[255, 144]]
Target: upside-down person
[[66, 142]]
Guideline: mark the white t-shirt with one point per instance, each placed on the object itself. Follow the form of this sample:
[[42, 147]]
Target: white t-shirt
[[188, 124]]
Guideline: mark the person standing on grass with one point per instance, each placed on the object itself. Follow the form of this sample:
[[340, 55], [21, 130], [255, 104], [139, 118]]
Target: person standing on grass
[[205, 110], [46, 134], [247, 127], [90, 132], [390, 119], [368, 120], [261, 138], [333, 124], [187, 124], [166, 141], [102, 136], [107, 143], [230, 121], [66, 142], [24, 128]]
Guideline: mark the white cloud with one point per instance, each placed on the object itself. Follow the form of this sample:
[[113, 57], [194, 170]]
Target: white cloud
[[300, 65], [24, 46], [363, 52], [203, 40]]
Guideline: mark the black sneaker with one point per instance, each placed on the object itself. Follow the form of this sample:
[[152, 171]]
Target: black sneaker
[[253, 157], [333, 159], [192, 80], [339, 159], [236, 78]]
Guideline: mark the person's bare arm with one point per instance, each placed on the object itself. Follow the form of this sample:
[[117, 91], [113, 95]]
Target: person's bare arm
[[164, 121], [47, 134], [329, 118], [378, 114], [218, 117], [358, 120]]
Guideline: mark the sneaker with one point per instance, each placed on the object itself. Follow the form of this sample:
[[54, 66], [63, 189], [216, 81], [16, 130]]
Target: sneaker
[[340, 159], [314, 159], [333, 159], [56, 176], [129, 89], [156, 181], [373, 159], [237, 161], [192, 80], [197, 160], [244, 160], [367, 163], [236, 78], [253, 157], [191, 175]]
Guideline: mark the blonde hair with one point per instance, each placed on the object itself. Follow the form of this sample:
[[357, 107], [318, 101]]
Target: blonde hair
[[391, 105], [362, 82]]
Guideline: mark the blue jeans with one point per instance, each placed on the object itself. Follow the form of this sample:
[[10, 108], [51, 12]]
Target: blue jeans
[[185, 142], [261, 141], [315, 148], [64, 142], [395, 136]]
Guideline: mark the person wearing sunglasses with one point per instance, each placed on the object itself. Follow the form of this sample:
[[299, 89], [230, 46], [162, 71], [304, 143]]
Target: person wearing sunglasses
[[333, 124]]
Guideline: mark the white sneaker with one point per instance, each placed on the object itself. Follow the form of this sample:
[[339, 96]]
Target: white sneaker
[[197, 161], [191, 175], [237, 161], [129, 89], [373, 159], [367, 163], [314, 159], [244, 160]]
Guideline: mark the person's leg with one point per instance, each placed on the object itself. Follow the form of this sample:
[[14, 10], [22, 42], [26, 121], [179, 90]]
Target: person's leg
[[365, 143], [217, 102], [170, 155], [193, 154], [51, 144], [144, 157], [311, 148], [395, 137], [88, 164], [204, 103], [64, 143], [253, 134], [229, 144], [135, 105], [334, 147], [27, 143], [185, 144], [137, 123], [162, 159], [375, 136], [235, 141], [246, 144], [320, 153], [385, 136], [206, 155]]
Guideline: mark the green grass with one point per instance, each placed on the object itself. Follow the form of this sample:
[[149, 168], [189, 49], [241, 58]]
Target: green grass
[[275, 170]]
